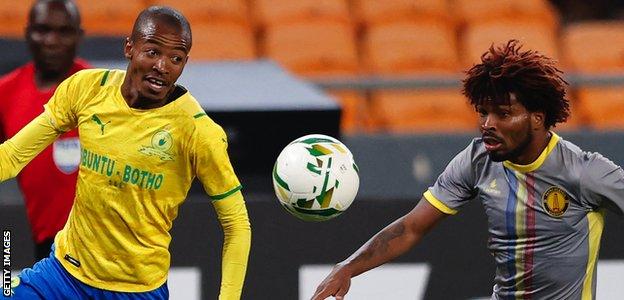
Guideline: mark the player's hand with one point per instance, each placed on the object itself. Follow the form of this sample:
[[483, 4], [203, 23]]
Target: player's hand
[[336, 284]]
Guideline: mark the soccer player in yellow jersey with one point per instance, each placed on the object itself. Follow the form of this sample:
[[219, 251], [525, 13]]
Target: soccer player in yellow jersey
[[143, 140]]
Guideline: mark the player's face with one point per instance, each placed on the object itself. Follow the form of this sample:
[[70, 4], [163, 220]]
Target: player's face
[[506, 129], [53, 36], [157, 58]]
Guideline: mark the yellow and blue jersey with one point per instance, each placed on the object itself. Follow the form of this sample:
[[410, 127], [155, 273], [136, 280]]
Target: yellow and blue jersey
[[136, 170]]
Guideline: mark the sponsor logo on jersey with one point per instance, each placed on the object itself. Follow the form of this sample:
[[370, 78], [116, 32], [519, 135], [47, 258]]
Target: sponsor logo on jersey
[[66, 154], [161, 145], [493, 188], [555, 201], [97, 120]]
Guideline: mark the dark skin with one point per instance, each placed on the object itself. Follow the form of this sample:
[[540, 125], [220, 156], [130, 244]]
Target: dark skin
[[157, 52], [510, 132], [53, 34]]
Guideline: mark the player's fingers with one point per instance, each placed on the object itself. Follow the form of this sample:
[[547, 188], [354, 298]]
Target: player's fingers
[[342, 291], [321, 293]]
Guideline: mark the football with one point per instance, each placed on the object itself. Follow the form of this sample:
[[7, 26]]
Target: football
[[315, 178]]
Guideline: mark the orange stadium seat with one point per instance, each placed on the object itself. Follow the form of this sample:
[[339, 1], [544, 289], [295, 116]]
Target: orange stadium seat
[[421, 111], [410, 46], [209, 10], [534, 36], [223, 41], [109, 17], [313, 48], [13, 18], [355, 111], [479, 11], [594, 46], [603, 106], [283, 11], [375, 11]]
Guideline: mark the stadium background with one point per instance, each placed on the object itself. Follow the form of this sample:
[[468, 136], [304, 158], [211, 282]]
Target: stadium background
[[384, 77]]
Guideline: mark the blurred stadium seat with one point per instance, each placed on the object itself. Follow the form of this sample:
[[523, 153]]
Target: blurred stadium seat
[[109, 17], [223, 41], [209, 10], [535, 36], [356, 116], [321, 49], [594, 46], [483, 11], [423, 111], [313, 48], [411, 48], [406, 47], [603, 106], [268, 12], [13, 18], [375, 11]]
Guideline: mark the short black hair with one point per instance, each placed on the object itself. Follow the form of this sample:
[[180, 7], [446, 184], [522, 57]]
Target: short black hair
[[531, 76], [69, 5], [164, 14]]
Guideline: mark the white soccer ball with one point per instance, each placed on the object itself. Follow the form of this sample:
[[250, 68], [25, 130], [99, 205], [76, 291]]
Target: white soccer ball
[[315, 178]]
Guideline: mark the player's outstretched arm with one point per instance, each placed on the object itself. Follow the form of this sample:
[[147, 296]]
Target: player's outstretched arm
[[19, 150], [386, 245], [232, 214]]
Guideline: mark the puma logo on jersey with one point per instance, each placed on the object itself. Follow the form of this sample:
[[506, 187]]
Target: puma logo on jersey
[[99, 122], [493, 188]]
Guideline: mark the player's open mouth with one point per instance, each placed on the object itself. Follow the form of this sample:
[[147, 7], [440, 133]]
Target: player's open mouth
[[491, 144], [156, 84]]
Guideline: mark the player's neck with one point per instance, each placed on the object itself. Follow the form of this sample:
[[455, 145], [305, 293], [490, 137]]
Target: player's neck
[[534, 149]]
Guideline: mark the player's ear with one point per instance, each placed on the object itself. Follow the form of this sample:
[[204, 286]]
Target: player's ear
[[537, 118], [128, 48]]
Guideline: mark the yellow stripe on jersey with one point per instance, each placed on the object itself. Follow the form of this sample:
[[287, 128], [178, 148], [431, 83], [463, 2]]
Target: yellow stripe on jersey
[[521, 207], [595, 221], [438, 204]]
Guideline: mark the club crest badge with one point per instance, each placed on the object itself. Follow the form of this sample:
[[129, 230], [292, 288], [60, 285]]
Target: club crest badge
[[161, 146], [555, 201]]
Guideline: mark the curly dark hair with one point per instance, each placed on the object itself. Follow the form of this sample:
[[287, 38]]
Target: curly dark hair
[[531, 76]]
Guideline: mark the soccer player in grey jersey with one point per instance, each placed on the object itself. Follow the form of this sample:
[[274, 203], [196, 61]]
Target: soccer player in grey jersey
[[543, 196]]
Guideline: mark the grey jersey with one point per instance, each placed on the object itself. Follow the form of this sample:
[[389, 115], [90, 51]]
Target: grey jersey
[[545, 219]]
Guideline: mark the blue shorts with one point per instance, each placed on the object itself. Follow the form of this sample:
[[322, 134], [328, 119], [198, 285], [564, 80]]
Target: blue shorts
[[47, 279]]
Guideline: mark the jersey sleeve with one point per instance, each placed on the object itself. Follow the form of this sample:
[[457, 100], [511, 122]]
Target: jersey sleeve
[[214, 170], [211, 161], [58, 117], [232, 214], [19, 150], [602, 183], [455, 186]]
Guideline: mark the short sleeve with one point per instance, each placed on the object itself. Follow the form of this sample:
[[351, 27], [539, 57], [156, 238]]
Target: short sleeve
[[212, 163], [602, 183], [455, 186]]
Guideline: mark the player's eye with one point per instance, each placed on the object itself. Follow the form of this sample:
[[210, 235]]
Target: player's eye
[[151, 52], [176, 59]]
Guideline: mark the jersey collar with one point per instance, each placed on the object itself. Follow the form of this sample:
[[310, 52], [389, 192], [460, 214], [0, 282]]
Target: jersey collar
[[539, 161]]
